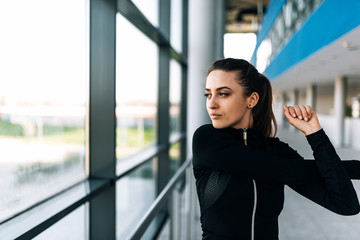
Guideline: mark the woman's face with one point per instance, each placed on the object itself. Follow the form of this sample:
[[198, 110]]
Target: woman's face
[[225, 102]]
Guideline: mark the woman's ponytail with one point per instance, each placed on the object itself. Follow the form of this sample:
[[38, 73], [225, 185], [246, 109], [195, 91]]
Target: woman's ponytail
[[264, 118]]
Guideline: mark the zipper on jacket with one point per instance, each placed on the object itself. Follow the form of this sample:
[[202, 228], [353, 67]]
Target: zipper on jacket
[[245, 135], [254, 211], [255, 194]]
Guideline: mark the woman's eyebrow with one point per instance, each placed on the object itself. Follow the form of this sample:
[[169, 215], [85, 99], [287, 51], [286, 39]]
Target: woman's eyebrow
[[219, 88]]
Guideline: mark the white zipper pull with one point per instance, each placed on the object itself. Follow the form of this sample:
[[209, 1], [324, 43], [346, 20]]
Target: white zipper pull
[[245, 136]]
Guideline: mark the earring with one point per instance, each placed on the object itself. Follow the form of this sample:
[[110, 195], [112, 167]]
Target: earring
[[249, 106]]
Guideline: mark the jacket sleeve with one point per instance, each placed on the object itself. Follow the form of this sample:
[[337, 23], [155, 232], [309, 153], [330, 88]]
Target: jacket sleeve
[[352, 167], [334, 189], [217, 149]]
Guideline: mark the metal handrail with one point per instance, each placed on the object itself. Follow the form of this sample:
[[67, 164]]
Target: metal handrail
[[145, 155], [155, 207], [37, 219], [31, 232]]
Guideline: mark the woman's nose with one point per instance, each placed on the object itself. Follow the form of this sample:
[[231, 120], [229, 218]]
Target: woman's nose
[[212, 103]]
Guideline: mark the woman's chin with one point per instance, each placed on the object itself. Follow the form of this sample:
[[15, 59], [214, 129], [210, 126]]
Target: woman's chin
[[218, 125]]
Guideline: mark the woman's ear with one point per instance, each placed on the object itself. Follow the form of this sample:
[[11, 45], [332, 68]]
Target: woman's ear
[[253, 100]]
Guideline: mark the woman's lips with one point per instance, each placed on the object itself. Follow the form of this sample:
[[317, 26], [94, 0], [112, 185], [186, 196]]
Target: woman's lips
[[215, 116]]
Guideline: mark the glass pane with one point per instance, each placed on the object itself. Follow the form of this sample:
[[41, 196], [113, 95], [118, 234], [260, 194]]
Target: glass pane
[[134, 195], [175, 96], [74, 226], [43, 89], [176, 24], [136, 89], [174, 153], [150, 9]]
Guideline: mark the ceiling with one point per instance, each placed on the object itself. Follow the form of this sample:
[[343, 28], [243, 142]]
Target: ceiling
[[244, 16], [339, 58]]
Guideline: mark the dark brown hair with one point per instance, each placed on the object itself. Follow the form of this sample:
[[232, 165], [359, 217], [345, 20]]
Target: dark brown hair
[[252, 81]]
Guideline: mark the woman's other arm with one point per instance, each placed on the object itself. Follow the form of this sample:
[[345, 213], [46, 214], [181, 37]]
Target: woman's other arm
[[336, 192]]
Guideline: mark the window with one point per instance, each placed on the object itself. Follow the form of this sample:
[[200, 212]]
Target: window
[[73, 226], [176, 25], [136, 89], [175, 96], [135, 193], [43, 79], [150, 9], [60, 92], [174, 153]]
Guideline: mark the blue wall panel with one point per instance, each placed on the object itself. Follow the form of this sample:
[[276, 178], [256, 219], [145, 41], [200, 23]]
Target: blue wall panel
[[272, 12], [330, 21]]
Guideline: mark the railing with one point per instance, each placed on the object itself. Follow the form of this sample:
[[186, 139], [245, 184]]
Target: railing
[[34, 220], [41, 218], [158, 203]]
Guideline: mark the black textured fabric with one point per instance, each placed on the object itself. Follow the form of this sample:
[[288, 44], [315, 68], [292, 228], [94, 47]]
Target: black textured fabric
[[212, 186], [224, 169]]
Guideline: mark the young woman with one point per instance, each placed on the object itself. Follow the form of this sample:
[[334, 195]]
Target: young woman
[[241, 168]]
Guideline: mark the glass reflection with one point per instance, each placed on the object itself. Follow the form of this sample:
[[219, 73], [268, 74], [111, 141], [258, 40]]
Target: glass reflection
[[176, 24], [150, 9], [175, 96], [43, 83], [136, 89], [73, 226], [174, 153], [134, 195]]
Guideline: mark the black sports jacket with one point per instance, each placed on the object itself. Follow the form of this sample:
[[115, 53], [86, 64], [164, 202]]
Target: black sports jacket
[[240, 184]]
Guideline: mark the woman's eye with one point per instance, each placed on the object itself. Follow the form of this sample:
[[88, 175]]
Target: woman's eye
[[206, 95], [224, 94]]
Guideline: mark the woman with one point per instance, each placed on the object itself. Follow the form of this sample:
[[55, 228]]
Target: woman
[[241, 168]]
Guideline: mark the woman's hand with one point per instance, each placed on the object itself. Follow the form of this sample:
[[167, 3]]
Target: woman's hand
[[303, 118]]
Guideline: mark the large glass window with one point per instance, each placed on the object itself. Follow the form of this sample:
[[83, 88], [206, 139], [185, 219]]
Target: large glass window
[[136, 89], [43, 89], [134, 195], [150, 9], [175, 96], [176, 25], [73, 226], [174, 153]]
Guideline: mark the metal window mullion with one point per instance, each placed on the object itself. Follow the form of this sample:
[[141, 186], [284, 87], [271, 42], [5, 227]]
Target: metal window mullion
[[184, 102], [184, 86], [184, 110], [163, 116], [129, 10], [163, 97], [102, 120]]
